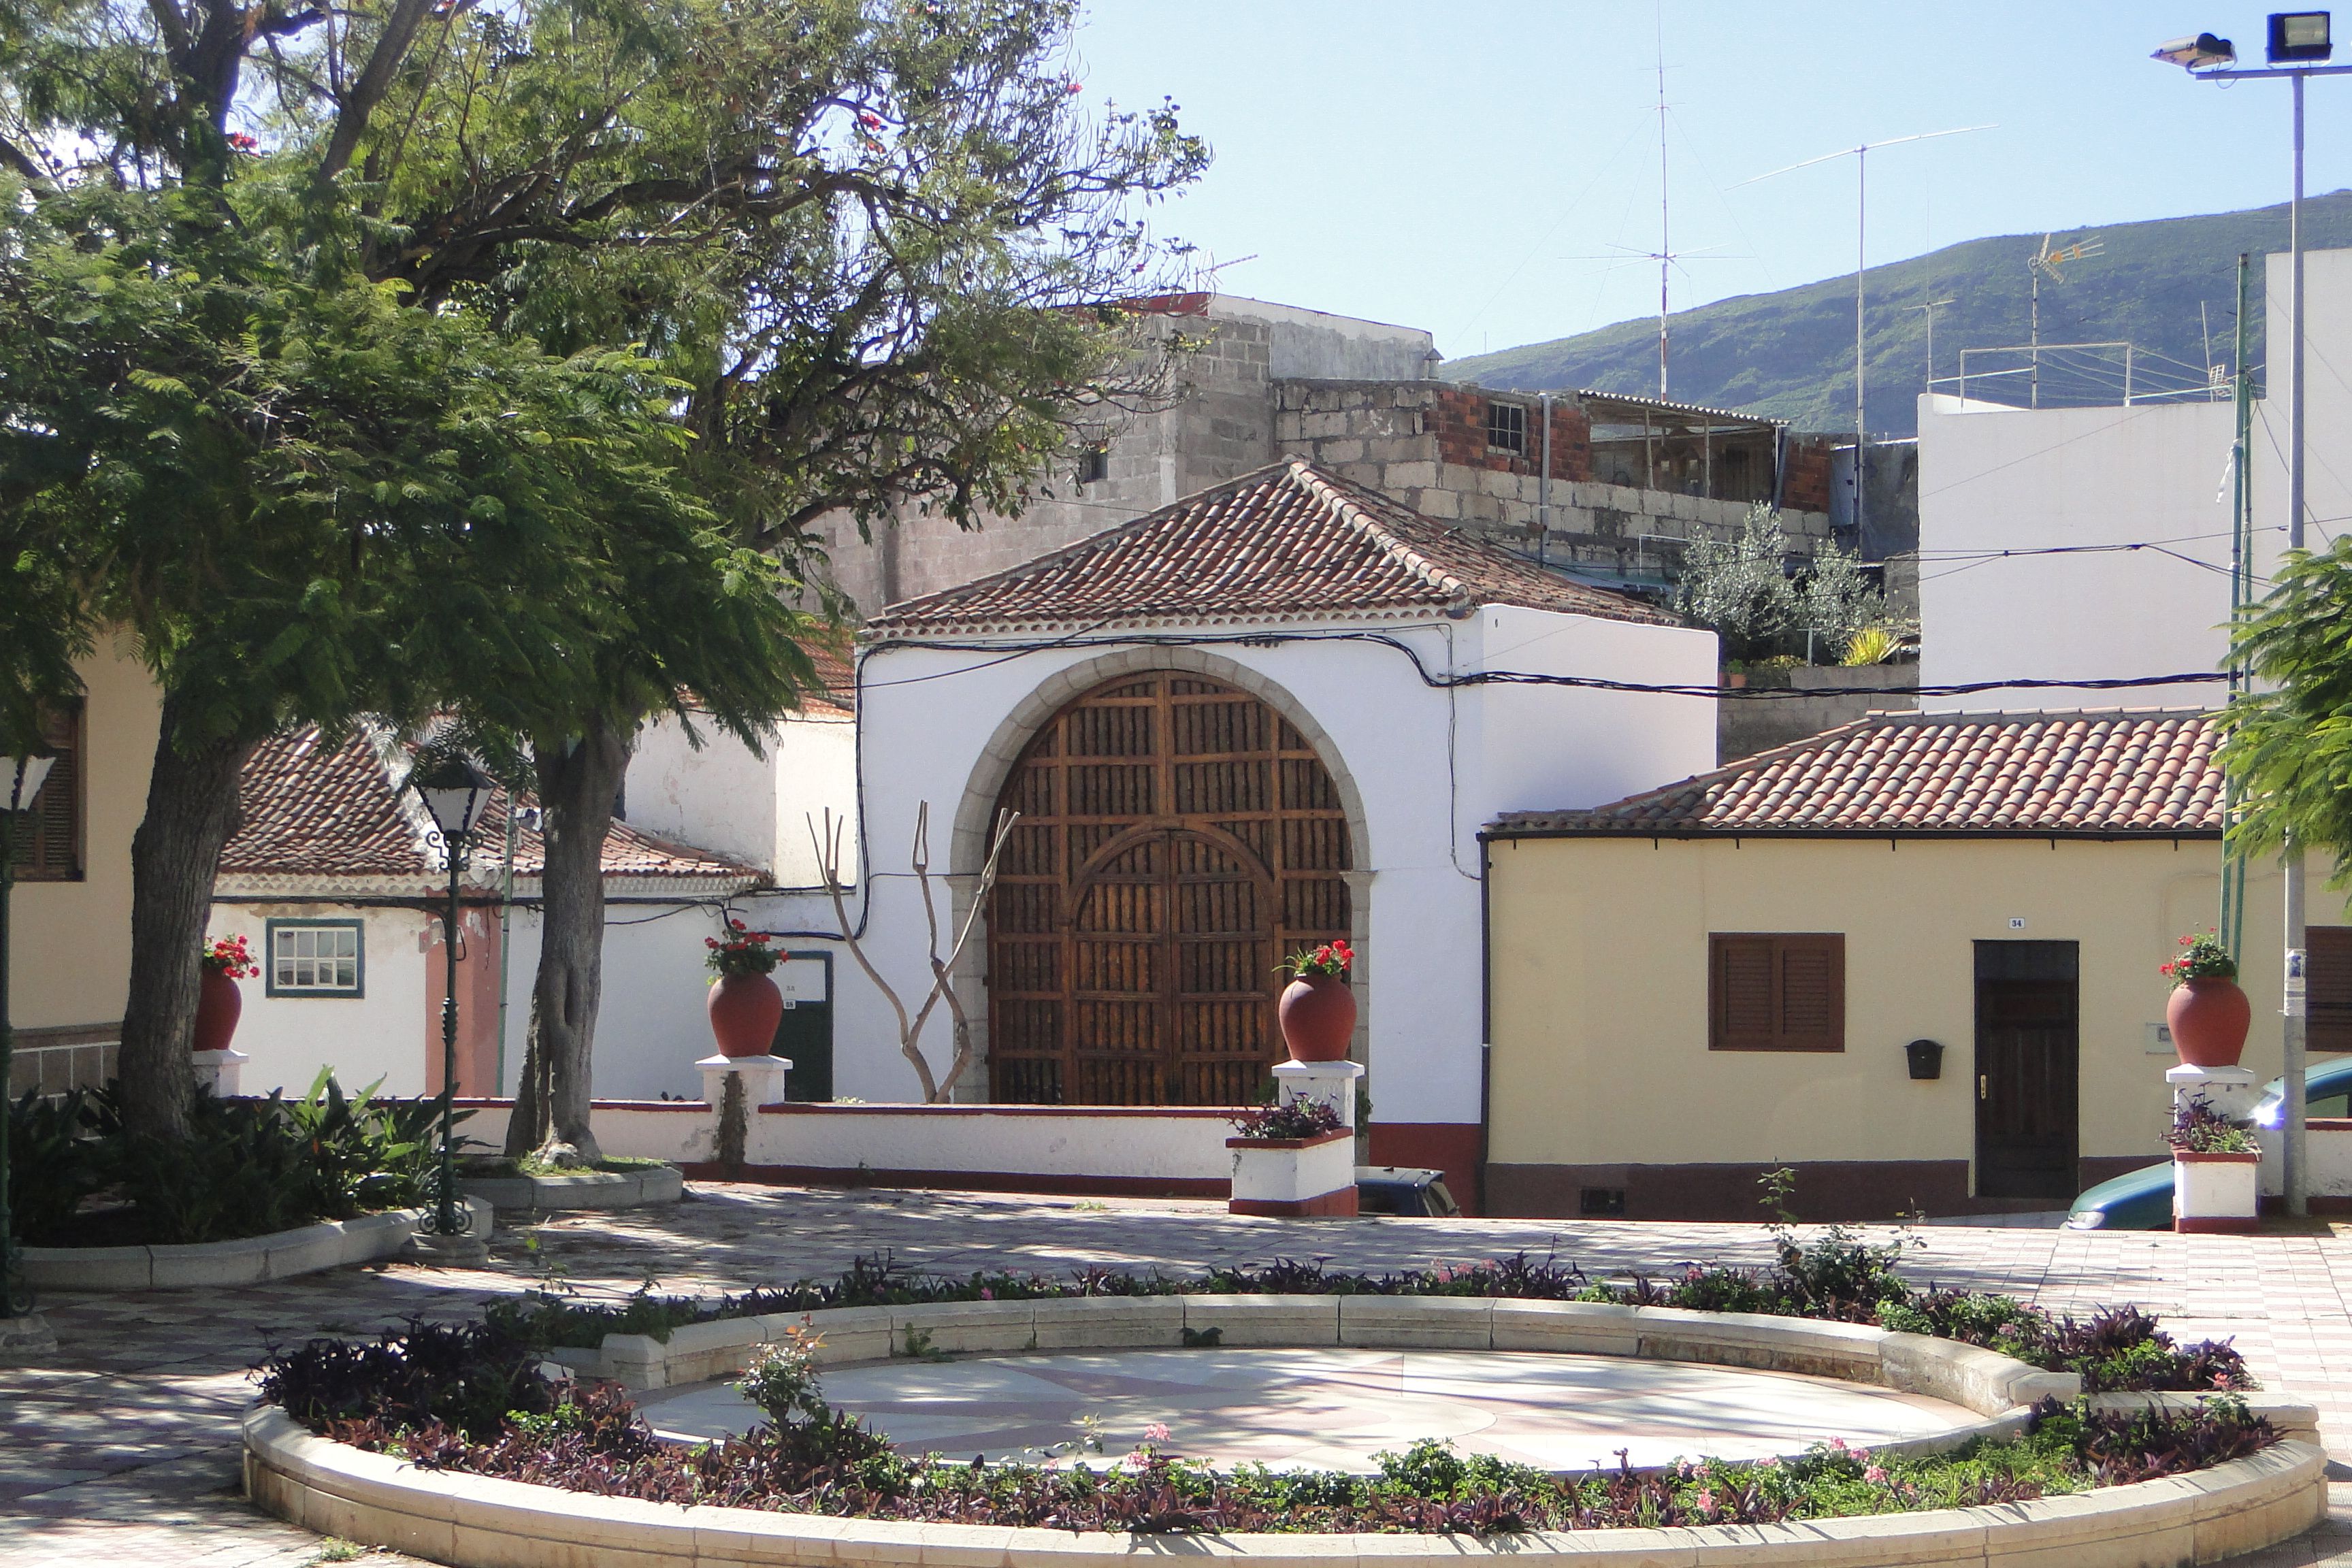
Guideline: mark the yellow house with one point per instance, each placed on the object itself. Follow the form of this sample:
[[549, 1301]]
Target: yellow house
[[1691, 986], [69, 928]]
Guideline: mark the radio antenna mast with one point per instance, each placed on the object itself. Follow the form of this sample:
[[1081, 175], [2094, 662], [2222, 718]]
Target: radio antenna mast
[[1861, 156]]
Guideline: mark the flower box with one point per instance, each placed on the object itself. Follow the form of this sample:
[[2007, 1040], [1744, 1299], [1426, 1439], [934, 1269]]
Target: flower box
[[2214, 1192], [1295, 1177]]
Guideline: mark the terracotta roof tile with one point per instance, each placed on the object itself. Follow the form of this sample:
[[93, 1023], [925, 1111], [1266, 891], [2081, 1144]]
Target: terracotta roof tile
[[329, 813], [1288, 542], [2115, 772]]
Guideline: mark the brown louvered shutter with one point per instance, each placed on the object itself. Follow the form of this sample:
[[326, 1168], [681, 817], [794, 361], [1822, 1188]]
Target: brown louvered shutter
[[2327, 987], [1813, 991], [1773, 992], [48, 838], [1741, 978]]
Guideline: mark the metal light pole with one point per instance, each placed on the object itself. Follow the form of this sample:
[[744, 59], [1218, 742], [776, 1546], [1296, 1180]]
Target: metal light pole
[[455, 792], [2297, 41], [21, 778]]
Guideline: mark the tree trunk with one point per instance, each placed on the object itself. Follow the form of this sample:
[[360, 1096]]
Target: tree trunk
[[527, 1124], [577, 782], [193, 809]]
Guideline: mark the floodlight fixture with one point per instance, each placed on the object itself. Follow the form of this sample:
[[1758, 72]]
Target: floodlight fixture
[[2199, 51], [2299, 35]]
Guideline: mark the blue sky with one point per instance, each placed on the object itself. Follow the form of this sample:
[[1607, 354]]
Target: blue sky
[[1457, 166]]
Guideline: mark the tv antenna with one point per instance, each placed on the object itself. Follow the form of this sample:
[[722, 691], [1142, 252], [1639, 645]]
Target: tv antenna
[[1861, 156], [1931, 307], [2051, 263]]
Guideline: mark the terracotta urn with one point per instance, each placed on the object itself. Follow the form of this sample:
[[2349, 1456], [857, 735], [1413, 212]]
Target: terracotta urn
[[219, 1003], [2208, 1018], [744, 1012], [1317, 1013]]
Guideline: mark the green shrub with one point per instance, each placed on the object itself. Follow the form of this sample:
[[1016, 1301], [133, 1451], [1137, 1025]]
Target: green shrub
[[55, 1161], [247, 1166]]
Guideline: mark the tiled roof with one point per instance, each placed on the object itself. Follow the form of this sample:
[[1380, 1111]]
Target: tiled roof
[[837, 681], [1288, 542], [331, 814], [2101, 773], [309, 806]]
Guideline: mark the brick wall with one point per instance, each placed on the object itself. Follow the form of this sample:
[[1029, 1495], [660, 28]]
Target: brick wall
[[1805, 474], [1457, 417]]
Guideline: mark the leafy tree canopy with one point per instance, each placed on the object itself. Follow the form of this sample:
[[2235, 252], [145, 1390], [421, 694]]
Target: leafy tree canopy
[[2287, 746]]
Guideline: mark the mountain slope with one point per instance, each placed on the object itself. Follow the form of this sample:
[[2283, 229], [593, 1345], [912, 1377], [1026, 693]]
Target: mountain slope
[[1791, 355]]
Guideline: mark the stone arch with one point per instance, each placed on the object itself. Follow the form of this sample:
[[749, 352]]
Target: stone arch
[[1021, 725], [1067, 685]]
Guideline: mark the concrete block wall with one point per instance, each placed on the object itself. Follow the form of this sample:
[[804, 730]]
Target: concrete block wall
[[1424, 444], [1747, 725], [1218, 426]]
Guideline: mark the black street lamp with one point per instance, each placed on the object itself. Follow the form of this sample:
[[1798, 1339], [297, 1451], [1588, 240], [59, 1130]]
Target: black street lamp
[[454, 793], [21, 778]]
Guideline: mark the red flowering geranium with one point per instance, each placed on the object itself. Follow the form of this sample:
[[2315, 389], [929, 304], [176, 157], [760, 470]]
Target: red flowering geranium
[[1333, 958], [229, 955], [2206, 958], [742, 952]]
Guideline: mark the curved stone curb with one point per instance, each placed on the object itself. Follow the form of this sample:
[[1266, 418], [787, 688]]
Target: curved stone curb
[[474, 1522], [249, 1261], [587, 1190]]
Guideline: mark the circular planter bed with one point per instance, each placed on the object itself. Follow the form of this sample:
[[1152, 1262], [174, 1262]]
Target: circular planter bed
[[480, 1521]]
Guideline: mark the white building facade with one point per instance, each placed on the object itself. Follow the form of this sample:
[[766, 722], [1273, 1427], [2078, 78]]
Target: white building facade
[[1370, 634], [2095, 543]]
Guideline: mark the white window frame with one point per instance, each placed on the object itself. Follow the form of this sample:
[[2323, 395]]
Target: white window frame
[[291, 932]]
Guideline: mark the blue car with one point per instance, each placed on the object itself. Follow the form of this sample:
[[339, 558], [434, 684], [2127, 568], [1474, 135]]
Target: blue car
[[2142, 1199]]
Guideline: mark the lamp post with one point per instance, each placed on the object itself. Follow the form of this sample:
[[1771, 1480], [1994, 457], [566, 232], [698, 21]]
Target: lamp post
[[2299, 46], [21, 778], [454, 792]]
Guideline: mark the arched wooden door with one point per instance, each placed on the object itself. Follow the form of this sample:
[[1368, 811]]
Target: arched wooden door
[[1177, 838]]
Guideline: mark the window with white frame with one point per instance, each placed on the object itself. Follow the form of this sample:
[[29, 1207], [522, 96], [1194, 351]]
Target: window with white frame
[[315, 958]]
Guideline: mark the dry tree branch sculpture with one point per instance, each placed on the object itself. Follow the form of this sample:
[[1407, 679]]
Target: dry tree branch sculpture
[[935, 1089]]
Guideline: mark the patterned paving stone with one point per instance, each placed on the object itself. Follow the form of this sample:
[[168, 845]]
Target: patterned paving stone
[[121, 1449]]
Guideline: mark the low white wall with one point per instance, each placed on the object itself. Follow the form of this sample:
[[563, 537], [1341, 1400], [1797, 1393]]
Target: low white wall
[[2327, 1144], [1036, 1140], [1051, 1144]]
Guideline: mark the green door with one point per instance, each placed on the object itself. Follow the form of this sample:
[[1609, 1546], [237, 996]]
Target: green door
[[804, 1034]]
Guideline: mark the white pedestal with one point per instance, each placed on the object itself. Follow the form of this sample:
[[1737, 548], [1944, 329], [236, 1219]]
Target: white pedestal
[[2233, 1092], [2214, 1192], [763, 1079], [1297, 1178], [218, 1071], [1333, 1083]]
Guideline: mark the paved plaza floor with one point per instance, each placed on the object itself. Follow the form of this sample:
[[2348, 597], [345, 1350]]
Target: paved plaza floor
[[121, 1449]]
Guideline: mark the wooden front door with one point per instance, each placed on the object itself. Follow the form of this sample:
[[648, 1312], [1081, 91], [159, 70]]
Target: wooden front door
[[1177, 839], [2027, 1069]]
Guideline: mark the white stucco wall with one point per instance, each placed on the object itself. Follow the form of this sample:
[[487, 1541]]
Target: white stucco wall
[[380, 1035], [718, 794], [1428, 765], [1995, 478], [751, 807], [652, 1024]]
